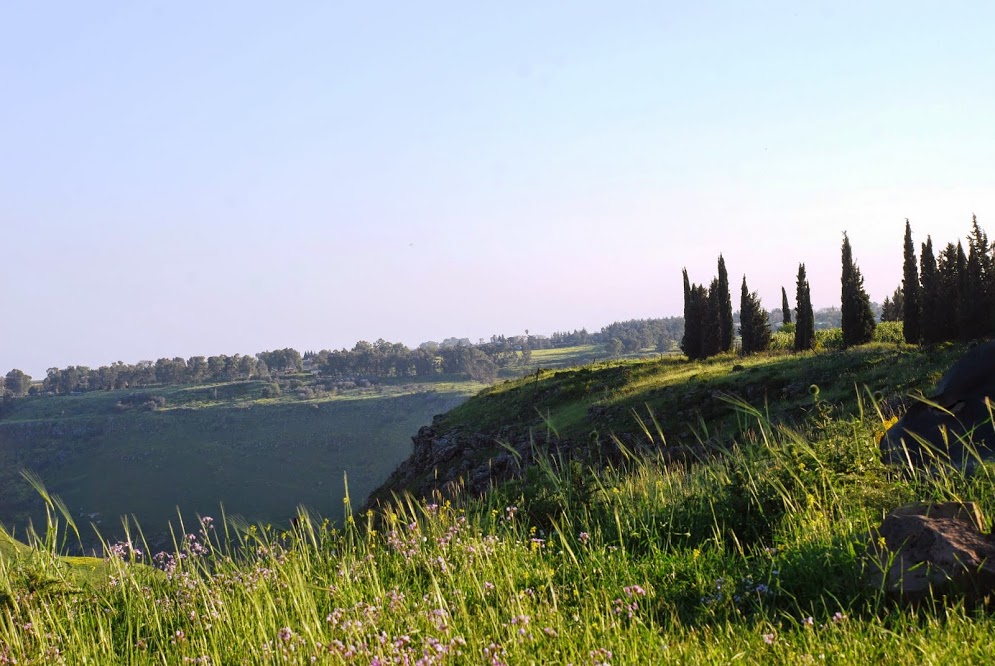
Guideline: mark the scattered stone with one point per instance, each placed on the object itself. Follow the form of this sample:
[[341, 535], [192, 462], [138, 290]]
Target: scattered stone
[[924, 551]]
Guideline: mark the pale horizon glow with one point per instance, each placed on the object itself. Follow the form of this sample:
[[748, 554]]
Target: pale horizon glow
[[185, 179]]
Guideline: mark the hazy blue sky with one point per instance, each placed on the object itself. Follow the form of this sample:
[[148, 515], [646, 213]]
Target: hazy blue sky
[[183, 178]]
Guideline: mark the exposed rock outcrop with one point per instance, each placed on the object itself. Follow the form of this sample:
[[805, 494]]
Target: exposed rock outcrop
[[452, 461], [924, 551], [934, 431], [447, 462]]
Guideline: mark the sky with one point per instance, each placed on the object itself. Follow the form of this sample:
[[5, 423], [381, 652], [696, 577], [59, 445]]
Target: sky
[[181, 178]]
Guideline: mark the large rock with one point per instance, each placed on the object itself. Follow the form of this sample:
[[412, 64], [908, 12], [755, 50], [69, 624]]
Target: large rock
[[924, 551], [933, 431]]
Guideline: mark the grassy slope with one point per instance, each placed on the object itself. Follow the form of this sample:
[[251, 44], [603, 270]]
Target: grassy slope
[[210, 445], [608, 396], [753, 557]]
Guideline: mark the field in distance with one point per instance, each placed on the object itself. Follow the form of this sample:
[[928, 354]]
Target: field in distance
[[148, 452]]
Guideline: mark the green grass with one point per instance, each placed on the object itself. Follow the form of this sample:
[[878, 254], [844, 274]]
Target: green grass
[[604, 397], [752, 557], [209, 446], [568, 357]]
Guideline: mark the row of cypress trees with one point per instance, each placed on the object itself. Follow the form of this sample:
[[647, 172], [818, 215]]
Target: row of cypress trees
[[943, 298], [708, 317], [952, 296]]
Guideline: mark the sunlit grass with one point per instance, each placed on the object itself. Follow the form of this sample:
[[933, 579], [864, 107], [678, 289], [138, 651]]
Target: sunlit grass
[[751, 556]]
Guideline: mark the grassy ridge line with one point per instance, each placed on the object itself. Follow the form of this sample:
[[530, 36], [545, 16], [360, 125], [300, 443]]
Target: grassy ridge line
[[604, 396], [656, 402]]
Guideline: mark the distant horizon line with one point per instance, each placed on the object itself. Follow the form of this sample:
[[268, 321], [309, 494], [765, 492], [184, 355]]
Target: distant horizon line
[[302, 351]]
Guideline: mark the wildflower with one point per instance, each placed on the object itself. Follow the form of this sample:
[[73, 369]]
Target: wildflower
[[584, 538], [285, 634], [769, 638], [808, 621], [838, 617], [634, 591], [601, 656]]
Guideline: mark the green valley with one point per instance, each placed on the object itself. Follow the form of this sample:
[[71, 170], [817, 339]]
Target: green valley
[[150, 452]]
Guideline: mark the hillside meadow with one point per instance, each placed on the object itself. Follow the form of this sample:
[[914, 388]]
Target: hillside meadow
[[751, 556]]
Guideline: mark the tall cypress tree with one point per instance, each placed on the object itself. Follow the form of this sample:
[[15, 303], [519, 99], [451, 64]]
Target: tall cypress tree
[[948, 280], [858, 318], [805, 321], [785, 308], [711, 325], [978, 295], [724, 308], [690, 333], [911, 292], [931, 326], [754, 324], [699, 315]]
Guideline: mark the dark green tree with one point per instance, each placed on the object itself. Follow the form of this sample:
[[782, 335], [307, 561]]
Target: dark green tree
[[785, 307], [893, 308], [912, 292], [691, 341], [978, 293], [699, 316], [932, 328], [17, 383], [857, 317], [948, 286], [754, 325], [711, 326], [724, 308], [805, 319]]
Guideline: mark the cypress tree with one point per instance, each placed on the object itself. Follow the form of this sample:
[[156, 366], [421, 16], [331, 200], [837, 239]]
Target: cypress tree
[[858, 318], [688, 344], [754, 324], [699, 315], [893, 306], [931, 327], [978, 295], [948, 281], [711, 325], [805, 321], [724, 308], [785, 308], [911, 292]]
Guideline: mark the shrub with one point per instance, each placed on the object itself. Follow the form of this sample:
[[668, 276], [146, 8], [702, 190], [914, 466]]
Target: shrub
[[829, 339], [889, 331], [782, 340]]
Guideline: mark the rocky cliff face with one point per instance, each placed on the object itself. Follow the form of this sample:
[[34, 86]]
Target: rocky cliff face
[[445, 462]]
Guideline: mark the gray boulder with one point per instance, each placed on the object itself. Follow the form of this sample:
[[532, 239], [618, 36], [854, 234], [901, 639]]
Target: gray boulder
[[934, 430]]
